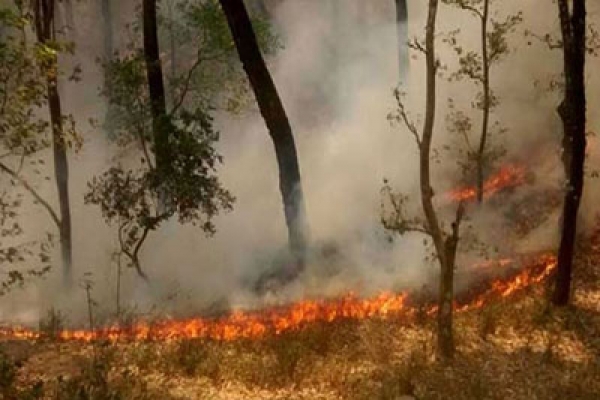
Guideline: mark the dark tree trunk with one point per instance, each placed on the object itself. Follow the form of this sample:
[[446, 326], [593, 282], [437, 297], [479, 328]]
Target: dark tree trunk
[[172, 50], [402, 24], [61, 172], [573, 114], [160, 120], [44, 27], [279, 127]]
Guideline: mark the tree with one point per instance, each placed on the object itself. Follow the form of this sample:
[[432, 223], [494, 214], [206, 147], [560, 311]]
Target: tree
[[572, 111], [477, 67], [176, 174], [273, 112], [43, 14], [444, 243], [204, 66], [23, 135], [172, 46], [402, 23], [160, 123], [15, 253]]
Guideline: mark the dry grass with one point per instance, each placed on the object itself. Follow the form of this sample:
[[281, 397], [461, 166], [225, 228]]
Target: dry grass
[[515, 349]]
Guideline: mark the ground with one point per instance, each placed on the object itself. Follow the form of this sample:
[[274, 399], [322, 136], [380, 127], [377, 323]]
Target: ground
[[517, 348]]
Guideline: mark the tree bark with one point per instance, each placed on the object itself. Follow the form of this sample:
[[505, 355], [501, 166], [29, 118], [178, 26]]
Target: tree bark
[[172, 50], [44, 27], [273, 113], [158, 107], [486, 100], [573, 114], [445, 246], [402, 26]]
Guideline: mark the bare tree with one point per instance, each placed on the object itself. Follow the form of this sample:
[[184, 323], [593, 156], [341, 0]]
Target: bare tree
[[476, 66], [572, 111], [272, 110], [43, 11], [445, 243]]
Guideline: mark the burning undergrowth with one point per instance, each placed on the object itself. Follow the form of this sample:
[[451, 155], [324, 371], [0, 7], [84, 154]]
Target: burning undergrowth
[[487, 281], [277, 320]]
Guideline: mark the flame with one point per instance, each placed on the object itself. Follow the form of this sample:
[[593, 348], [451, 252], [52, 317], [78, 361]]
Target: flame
[[274, 321], [260, 323], [509, 176]]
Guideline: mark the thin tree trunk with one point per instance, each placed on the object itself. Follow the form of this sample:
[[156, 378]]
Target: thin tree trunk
[[445, 246], [160, 123], [173, 50], [486, 100], [44, 22], [573, 114], [402, 26], [272, 110]]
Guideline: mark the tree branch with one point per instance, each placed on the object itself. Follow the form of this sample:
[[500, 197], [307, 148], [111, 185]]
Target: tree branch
[[186, 86], [33, 192], [133, 257]]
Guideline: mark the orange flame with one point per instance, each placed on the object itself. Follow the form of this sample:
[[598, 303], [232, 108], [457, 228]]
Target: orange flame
[[509, 176], [274, 321], [257, 324]]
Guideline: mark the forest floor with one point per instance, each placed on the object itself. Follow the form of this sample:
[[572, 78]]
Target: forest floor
[[517, 348]]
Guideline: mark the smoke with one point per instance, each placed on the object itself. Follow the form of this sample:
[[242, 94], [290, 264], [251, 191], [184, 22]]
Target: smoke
[[335, 75]]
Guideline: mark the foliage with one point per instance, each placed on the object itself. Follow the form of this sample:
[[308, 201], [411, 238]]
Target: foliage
[[199, 32], [138, 197], [476, 67], [24, 137], [18, 259]]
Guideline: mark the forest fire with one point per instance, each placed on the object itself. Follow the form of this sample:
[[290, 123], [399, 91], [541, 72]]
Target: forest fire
[[530, 270], [260, 323], [509, 176]]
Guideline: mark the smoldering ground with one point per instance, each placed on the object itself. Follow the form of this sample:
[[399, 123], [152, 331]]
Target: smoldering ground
[[335, 74]]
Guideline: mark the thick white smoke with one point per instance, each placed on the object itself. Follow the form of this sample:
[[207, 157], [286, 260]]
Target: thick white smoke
[[335, 74]]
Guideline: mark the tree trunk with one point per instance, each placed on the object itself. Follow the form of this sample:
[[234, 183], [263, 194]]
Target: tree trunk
[[402, 24], [486, 100], [272, 110], [445, 246], [44, 27], [172, 50], [573, 114], [160, 122]]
